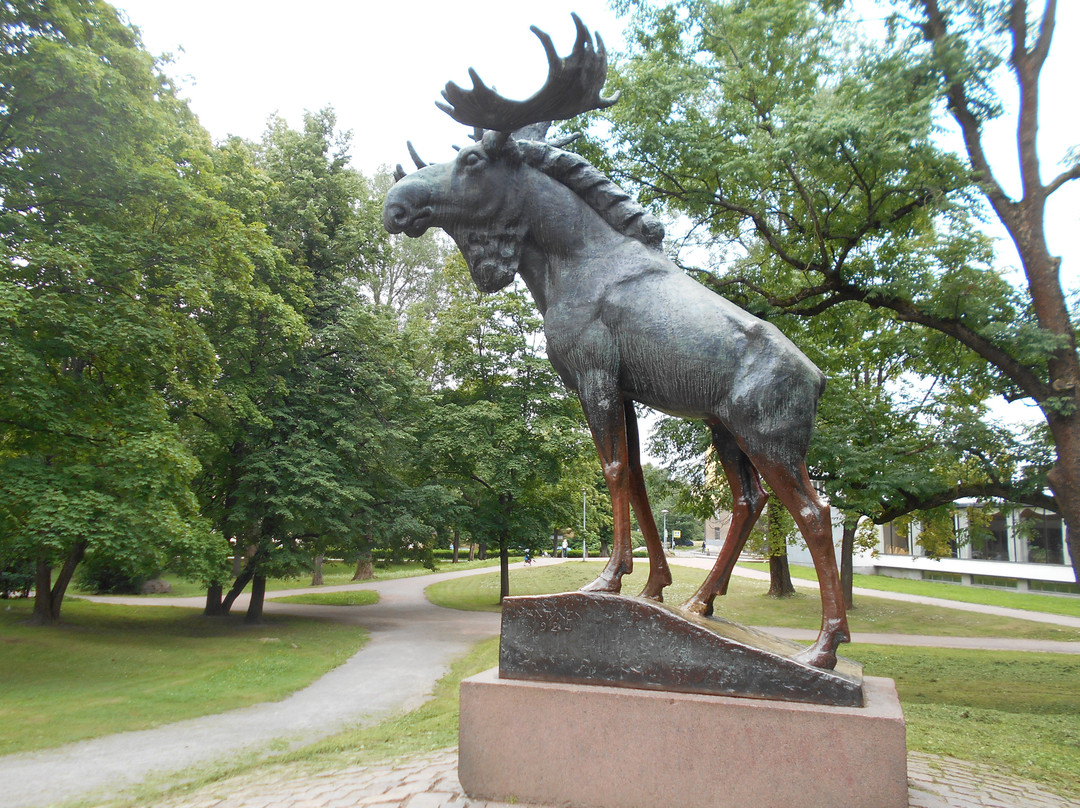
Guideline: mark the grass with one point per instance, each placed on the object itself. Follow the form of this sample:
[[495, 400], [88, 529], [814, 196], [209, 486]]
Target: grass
[[430, 727], [109, 668], [355, 597], [1017, 712], [747, 602], [334, 574], [1029, 601]]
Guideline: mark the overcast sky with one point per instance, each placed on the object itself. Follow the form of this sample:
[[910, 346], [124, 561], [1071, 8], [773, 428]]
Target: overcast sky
[[380, 64]]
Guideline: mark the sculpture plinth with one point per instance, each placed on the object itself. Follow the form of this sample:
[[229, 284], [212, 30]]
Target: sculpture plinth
[[594, 638], [590, 746]]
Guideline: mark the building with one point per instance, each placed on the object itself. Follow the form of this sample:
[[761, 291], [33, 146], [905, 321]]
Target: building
[[1022, 548]]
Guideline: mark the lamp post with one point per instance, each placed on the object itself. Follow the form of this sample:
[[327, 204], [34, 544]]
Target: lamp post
[[664, 511], [584, 549]]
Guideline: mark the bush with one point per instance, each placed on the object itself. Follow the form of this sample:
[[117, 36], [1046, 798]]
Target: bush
[[17, 580], [104, 578]]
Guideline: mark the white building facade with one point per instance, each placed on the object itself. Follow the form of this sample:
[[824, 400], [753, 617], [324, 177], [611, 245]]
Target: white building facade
[[1024, 550]]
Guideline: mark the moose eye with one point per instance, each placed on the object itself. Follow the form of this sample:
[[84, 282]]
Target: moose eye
[[473, 158]]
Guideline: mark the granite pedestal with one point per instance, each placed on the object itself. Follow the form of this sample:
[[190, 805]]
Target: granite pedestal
[[591, 746]]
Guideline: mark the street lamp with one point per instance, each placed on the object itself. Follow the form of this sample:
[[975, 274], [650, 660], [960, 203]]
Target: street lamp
[[584, 549], [665, 526]]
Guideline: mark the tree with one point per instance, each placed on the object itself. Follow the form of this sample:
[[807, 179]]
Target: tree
[[505, 431], [315, 450], [808, 158], [111, 238]]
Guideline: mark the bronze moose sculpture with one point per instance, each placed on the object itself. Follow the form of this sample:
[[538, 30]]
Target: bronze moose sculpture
[[623, 324]]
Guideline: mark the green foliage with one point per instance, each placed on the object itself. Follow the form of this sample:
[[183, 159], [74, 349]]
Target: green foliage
[[505, 435], [803, 157], [111, 239]]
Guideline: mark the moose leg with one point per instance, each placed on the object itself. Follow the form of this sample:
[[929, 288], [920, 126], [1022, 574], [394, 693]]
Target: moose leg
[[606, 415], [659, 574], [748, 501], [813, 518]]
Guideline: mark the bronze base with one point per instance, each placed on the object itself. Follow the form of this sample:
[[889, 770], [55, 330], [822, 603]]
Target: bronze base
[[604, 639]]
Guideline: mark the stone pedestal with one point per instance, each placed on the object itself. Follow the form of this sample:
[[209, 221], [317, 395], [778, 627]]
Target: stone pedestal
[[591, 746]]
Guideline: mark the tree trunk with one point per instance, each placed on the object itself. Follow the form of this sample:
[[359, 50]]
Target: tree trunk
[[481, 551], [847, 552], [504, 567], [365, 570], [238, 585], [455, 544], [1064, 481], [780, 585], [258, 595], [317, 571], [472, 551], [47, 601], [42, 615], [213, 601]]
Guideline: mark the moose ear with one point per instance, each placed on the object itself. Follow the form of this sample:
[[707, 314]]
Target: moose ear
[[502, 145]]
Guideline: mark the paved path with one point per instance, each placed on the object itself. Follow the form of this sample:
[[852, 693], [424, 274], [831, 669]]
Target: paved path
[[430, 781], [410, 648]]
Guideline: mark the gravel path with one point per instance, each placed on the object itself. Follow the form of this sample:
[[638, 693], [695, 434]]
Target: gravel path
[[411, 646]]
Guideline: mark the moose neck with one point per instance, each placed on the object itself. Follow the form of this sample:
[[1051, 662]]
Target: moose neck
[[564, 237]]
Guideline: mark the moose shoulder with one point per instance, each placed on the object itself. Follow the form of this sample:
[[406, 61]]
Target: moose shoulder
[[623, 324]]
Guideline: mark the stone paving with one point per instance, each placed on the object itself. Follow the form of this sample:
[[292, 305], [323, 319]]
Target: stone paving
[[430, 781]]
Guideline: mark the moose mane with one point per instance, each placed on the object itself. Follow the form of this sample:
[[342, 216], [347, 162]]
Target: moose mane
[[610, 201]]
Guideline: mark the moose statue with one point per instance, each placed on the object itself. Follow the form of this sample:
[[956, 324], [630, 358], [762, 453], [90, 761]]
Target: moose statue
[[622, 323]]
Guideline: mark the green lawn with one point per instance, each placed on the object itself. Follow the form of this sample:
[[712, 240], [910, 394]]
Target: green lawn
[[1029, 601], [355, 597], [1018, 712], [334, 574], [747, 602], [109, 668]]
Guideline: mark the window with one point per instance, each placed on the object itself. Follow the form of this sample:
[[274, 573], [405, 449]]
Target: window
[[897, 538], [1054, 586], [943, 577], [997, 583], [1044, 537], [993, 544]]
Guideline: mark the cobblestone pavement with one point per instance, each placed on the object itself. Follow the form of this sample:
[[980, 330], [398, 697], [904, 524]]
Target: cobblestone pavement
[[430, 781]]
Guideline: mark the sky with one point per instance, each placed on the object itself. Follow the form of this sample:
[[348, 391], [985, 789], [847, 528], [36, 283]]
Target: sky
[[382, 64]]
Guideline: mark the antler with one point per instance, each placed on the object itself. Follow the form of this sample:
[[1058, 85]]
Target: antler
[[573, 86]]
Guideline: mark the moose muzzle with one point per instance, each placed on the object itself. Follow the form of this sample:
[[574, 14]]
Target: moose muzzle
[[408, 207]]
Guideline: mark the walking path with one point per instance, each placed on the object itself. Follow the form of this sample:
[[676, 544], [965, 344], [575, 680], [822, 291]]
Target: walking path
[[430, 781], [411, 646]]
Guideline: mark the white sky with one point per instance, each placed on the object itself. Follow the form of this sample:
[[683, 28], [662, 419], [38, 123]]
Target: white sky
[[381, 65]]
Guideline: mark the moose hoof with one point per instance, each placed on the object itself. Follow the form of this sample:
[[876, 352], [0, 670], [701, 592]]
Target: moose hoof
[[652, 593], [611, 586], [699, 606], [817, 657]]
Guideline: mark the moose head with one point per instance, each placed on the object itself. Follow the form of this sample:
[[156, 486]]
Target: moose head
[[476, 197]]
